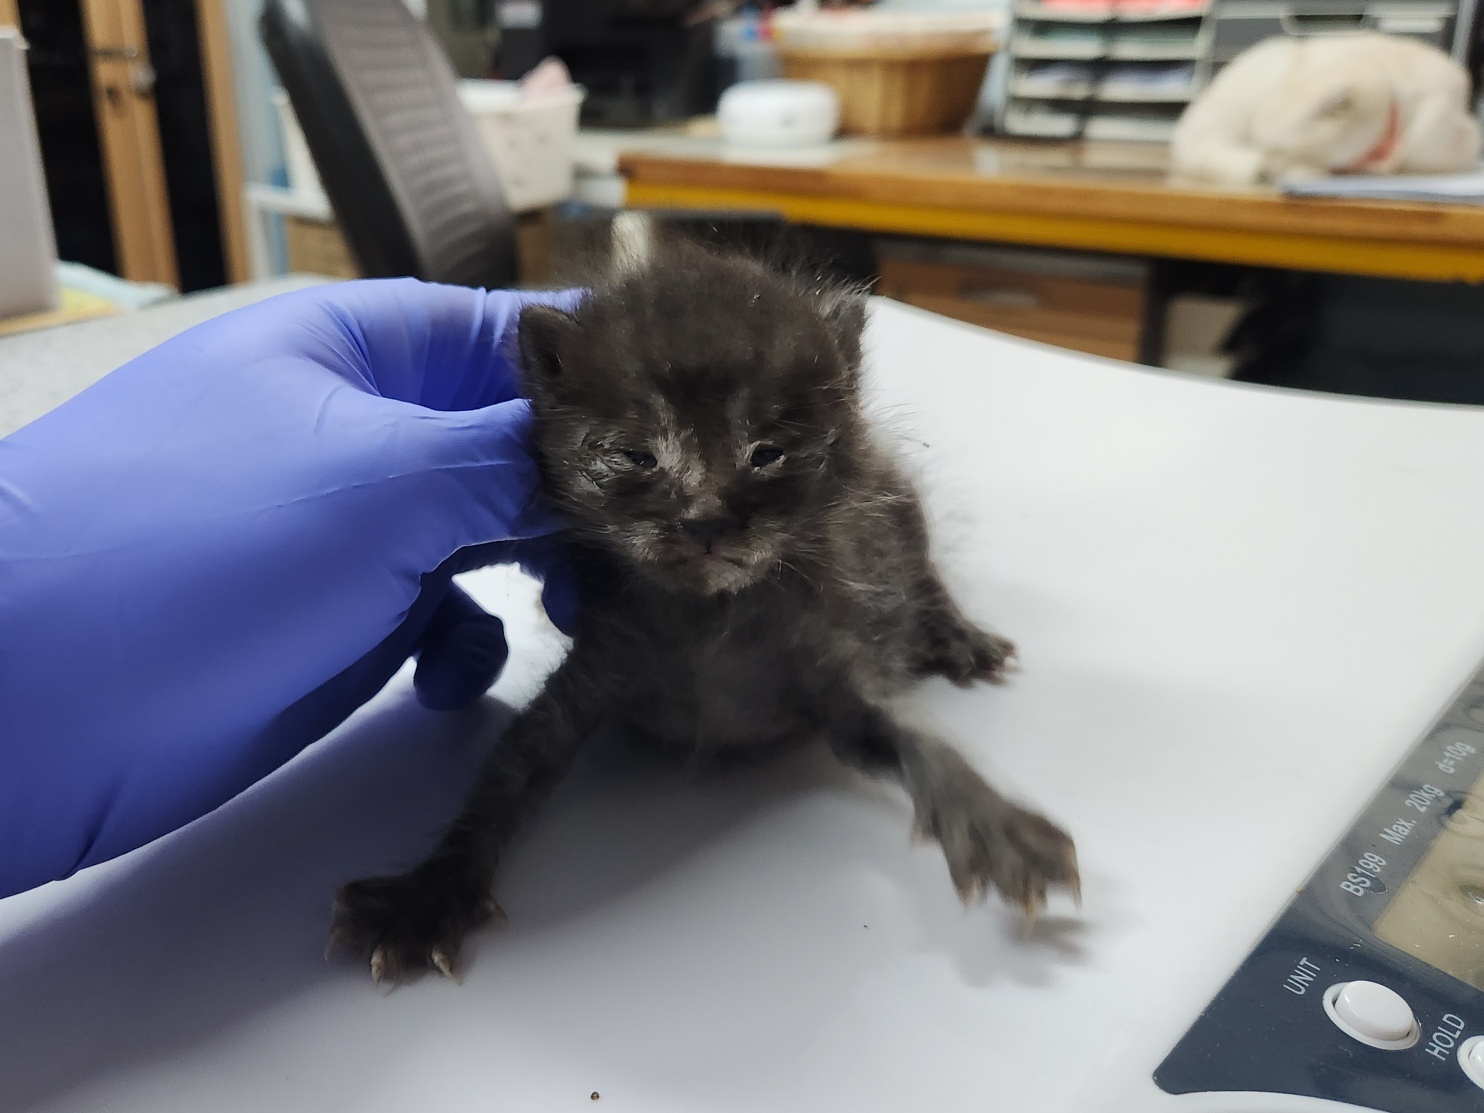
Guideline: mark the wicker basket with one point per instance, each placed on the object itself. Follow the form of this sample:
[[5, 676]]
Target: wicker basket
[[897, 72], [925, 90]]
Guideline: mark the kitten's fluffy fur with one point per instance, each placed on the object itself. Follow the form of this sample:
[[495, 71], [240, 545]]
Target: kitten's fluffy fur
[[1304, 108], [754, 576]]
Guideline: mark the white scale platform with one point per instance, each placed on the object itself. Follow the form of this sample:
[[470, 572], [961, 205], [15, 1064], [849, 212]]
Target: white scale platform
[[1236, 608]]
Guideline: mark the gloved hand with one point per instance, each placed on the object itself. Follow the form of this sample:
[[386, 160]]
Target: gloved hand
[[219, 551]]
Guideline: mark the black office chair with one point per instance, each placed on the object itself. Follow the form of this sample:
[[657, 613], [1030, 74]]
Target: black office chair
[[410, 181], [404, 169]]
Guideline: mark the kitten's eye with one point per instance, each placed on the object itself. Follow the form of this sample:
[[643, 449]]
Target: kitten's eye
[[640, 459], [766, 454]]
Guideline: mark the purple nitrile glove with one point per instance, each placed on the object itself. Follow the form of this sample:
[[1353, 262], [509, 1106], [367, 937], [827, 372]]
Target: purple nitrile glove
[[219, 551]]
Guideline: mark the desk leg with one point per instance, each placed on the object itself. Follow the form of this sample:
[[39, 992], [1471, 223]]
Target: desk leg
[[1152, 327]]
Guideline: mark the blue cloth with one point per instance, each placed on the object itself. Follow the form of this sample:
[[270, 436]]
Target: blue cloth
[[220, 550]]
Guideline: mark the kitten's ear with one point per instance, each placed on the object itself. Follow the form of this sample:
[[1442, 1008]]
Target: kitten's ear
[[544, 334], [845, 315]]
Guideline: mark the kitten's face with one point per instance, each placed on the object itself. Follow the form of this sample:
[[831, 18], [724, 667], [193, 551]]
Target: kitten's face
[[690, 416]]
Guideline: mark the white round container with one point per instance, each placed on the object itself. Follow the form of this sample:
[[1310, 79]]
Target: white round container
[[778, 114]]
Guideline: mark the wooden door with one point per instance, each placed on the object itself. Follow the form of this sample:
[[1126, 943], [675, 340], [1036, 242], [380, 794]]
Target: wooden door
[[129, 134], [226, 147]]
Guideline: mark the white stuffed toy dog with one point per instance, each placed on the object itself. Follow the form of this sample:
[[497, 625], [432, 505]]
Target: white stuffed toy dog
[[1336, 104]]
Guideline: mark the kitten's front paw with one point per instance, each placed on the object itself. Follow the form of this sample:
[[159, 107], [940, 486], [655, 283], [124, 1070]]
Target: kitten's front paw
[[992, 843], [965, 654], [413, 922]]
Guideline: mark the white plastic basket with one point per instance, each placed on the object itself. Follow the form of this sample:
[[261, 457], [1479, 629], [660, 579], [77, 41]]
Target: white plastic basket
[[530, 140]]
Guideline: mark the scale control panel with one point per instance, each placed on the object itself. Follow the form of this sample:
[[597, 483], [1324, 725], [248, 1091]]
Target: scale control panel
[[1369, 988]]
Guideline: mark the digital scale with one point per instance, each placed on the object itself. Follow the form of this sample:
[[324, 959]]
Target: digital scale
[[1236, 608], [1369, 988]]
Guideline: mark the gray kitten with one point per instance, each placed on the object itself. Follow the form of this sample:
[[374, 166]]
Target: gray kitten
[[754, 576]]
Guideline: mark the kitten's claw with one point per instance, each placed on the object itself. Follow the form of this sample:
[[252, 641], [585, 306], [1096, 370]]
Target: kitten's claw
[[965, 654], [993, 656], [990, 843], [403, 925], [490, 912]]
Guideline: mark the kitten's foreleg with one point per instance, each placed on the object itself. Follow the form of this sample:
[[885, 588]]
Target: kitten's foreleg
[[418, 919], [988, 841], [939, 639], [947, 643]]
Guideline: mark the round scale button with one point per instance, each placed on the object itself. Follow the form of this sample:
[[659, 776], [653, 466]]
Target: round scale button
[[1471, 1059], [1371, 1013]]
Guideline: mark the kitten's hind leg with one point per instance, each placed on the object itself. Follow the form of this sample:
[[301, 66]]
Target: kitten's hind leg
[[988, 841], [417, 920]]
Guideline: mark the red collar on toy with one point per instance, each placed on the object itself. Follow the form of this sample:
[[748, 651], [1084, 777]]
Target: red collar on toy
[[1383, 147]]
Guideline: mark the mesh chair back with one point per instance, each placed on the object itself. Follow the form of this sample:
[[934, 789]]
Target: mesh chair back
[[404, 168]]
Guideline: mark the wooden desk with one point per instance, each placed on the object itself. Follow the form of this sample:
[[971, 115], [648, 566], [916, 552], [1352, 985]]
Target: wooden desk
[[1088, 196], [74, 306]]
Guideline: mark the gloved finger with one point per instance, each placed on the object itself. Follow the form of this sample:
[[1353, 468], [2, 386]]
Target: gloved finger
[[440, 347], [472, 469], [463, 652]]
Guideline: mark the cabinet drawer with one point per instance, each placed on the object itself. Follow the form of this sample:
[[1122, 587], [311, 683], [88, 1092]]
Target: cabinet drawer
[[1104, 318]]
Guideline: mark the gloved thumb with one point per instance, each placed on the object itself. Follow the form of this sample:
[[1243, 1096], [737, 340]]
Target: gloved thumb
[[480, 483]]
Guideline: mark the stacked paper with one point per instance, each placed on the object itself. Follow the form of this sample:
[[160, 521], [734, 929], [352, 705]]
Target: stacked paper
[[1467, 187]]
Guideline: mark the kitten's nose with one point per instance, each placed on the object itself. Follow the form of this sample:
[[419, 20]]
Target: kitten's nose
[[706, 531]]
